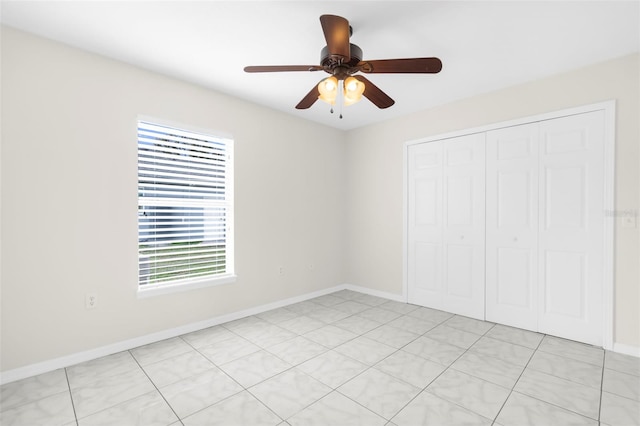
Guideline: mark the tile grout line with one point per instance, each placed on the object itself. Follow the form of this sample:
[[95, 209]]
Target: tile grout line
[[518, 379], [155, 386], [73, 405]]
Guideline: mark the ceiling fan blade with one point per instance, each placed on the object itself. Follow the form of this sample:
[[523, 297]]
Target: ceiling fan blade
[[374, 94], [309, 99], [408, 65], [279, 68], [336, 32]]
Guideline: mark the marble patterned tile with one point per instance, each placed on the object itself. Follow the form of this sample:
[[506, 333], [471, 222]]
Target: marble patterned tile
[[332, 368], [32, 389], [303, 308], [572, 396], [621, 384], [207, 336], [378, 314], [357, 325], [351, 307], [297, 350], [196, 393], [380, 392], [392, 336], [270, 336], [51, 410], [276, 316], [100, 368], [105, 393], [370, 300], [453, 336], [289, 392], [428, 409], [411, 324], [567, 368], [526, 411], [515, 354], [488, 368], [410, 368], [517, 336], [179, 367], [617, 410], [399, 307], [241, 325], [327, 315], [301, 325], [327, 300], [330, 336], [570, 349], [336, 409], [469, 324], [242, 409], [365, 350], [228, 350], [429, 314], [160, 350], [623, 363], [474, 394], [149, 409], [434, 350], [254, 368]]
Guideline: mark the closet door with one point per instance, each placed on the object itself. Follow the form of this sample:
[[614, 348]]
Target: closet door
[[512, 226], [446, 225], [425, 227], [464, 225], [571, 239]]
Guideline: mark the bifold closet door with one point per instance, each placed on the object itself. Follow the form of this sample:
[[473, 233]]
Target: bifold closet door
[[571, 229], [446, 225], [545, 226], [512, 226]]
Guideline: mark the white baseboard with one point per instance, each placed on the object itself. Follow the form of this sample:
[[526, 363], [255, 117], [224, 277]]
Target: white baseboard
[[69, 360], [626, 349], [372, 292]]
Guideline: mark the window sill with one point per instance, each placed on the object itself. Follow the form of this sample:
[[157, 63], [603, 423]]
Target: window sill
[[159, 290]]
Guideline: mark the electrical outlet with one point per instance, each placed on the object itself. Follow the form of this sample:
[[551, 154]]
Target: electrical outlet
[[311, 267], [91, 300], [281, 271]]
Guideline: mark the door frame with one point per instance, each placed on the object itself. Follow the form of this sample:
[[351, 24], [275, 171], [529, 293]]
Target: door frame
[[609, 108]]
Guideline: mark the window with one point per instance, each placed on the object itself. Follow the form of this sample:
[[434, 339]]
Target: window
[[185, 208]]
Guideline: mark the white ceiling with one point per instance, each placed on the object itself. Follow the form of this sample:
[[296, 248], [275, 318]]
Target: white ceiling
[[483, 45]]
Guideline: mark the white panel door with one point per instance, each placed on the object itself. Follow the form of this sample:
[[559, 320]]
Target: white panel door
[[512, 226], [425, 230], [571, 238], [446, 225], [464, 222]]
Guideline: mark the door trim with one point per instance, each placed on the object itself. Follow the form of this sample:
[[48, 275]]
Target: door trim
[[609, 108]]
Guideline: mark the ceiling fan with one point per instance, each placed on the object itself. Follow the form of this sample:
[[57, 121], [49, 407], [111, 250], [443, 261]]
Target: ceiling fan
[[343, 60]]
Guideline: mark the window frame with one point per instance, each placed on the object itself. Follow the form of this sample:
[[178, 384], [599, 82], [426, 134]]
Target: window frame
[[191, 283]]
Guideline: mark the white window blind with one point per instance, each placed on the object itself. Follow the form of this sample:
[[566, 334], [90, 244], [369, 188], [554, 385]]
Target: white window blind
[[185, 201]]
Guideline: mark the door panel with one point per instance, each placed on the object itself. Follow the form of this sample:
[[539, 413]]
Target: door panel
[[424, 227], [512, 226], [446, 225], [571, 242]]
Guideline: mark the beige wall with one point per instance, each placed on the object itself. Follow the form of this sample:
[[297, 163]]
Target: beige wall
[[69, 201], [375, 171]]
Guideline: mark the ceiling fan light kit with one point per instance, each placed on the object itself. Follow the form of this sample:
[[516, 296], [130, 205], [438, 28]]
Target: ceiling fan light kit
[[343, 60]]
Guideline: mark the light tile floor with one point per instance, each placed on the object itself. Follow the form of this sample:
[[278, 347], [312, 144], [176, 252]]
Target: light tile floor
[[342, 359]]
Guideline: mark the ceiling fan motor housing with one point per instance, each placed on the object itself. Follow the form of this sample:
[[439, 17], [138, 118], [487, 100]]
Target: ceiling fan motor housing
[[336, 64]]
